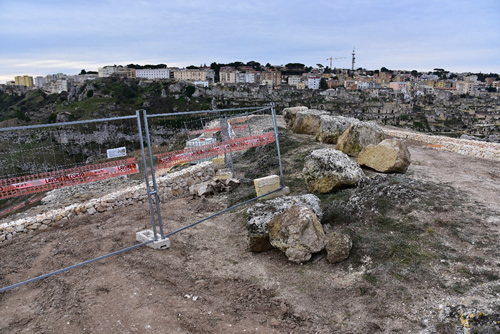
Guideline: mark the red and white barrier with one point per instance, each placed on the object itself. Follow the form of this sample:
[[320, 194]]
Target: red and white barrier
[[237, 128], [30, 184], [169, 159]]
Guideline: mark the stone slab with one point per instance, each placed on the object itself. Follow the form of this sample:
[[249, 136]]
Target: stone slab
[[266, 184]]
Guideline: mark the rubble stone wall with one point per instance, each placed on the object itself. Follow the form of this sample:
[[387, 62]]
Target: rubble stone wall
[[169, 186], [475, 148]]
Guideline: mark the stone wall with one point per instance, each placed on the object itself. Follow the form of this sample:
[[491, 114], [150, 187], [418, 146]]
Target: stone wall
[[475, 148], [169, 186]]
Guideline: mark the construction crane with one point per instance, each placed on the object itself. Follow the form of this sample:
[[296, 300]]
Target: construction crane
[[332, 58]]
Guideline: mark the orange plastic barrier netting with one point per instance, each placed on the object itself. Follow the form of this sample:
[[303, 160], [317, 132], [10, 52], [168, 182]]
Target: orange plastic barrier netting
[[169, 159], [30, 184], [236, 128]]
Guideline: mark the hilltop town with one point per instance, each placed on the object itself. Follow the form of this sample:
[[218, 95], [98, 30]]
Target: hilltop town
[[441, 102]]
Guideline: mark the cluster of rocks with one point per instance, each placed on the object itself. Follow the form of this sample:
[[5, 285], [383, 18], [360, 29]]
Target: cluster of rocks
[[487, 150], [292, 225], [328, 169], [169, 186]]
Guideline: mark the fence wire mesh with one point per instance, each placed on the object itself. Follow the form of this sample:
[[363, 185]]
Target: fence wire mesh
[[234, 139], [37, 159]]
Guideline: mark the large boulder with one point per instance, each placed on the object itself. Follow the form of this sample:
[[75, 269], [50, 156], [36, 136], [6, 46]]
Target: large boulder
[[338, 246], [261, 214], [298, 233], [327, 169], [308, 121], [332, 127], [358, 136], [389, 156], [289, 115]]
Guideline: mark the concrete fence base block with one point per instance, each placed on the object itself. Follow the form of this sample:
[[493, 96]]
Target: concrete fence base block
[[148, 235], [267, 184], [282, 192]]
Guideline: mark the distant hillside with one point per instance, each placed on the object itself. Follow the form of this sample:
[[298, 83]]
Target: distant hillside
[[104, 98]]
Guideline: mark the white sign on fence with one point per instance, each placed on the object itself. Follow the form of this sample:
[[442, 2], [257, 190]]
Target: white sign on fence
[[117, 152]]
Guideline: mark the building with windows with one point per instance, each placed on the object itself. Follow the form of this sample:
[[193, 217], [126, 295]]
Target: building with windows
[[192, 74], [313, 82], [121, 71], [270, 77], [227, 74], [40, 81], [154, 73], [24, 80]]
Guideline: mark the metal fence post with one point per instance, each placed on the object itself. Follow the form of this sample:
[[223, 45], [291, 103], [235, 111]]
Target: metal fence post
[[275, 124], [187, 131], [146, 173], [248, 123], [153, 177]]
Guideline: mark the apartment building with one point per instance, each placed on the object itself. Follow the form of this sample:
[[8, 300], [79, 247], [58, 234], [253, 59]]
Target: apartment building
[[227, 74], [271, 78], [190, 75], [122, 71], [313, 82], [293, 80], [24, 80], [397, 86], [465, 87], [154, 73], [40, 81]]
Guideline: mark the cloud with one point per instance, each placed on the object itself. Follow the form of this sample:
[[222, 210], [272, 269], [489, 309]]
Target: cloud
[[58, 36]]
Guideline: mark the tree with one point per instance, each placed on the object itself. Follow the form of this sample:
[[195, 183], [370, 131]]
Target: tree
[[323, 84], [256, 65], [491, 89], [319, 65], [82, 72], [383, 69], [296, 66], [192, 67], [414, 73]]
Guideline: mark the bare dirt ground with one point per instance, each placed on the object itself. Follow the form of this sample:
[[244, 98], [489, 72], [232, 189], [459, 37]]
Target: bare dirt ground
[[208, 282]]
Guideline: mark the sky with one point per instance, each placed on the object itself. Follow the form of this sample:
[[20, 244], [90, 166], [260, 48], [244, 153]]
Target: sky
[[51, 36]]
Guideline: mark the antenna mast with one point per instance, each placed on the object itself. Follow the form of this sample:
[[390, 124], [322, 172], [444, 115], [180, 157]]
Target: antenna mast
[[353, 58]]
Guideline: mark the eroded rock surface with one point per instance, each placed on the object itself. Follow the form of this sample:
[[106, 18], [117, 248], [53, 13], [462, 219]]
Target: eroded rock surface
[[261, 214], [389, 156], [327, 169], [332, 127], [358, 136], [298, 233]]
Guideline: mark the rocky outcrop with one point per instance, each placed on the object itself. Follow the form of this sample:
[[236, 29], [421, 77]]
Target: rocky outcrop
[[261, 214], [389, 156], [358, 136], [308, 121], [332, 127], [338, 246], [298, 233], [327, 169], [290, 113]]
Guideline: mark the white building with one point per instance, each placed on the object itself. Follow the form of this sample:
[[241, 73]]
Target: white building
[[245, 77], [313, 82], [40, 81], [153, 73], [294, 80]]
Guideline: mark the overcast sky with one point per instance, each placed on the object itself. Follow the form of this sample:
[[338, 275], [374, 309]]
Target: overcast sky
[[51, 36]]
